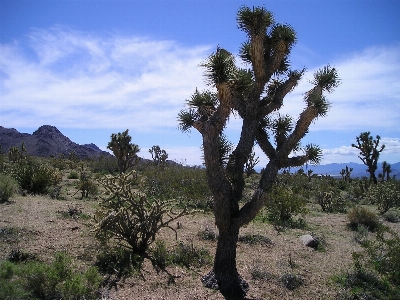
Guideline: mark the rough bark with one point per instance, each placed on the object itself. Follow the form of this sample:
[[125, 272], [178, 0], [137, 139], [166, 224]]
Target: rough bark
[[224, 275]]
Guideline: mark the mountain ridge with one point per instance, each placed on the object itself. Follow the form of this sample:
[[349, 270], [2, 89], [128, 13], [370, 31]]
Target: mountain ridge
[[47, 141]]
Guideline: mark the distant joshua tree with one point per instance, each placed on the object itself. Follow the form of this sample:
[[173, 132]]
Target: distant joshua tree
[[386, 170], [369, 152], [346, 173], [159, 155], [124, 150], [15, 154]]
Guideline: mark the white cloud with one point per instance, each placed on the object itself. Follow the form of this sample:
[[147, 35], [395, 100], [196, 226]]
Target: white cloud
[[345, 154], [369, 94], [73, 79]]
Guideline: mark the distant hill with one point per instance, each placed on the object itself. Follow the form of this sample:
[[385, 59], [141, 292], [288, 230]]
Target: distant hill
[[47, 141]]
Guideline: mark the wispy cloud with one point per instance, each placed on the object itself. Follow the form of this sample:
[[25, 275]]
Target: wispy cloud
[[369, 93], [74, 79]]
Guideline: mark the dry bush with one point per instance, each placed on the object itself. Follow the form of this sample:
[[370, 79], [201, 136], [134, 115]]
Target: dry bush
[[362, 216]]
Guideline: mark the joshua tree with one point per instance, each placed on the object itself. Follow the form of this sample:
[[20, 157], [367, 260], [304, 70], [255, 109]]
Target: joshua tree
[[251, 163], [346, 173], [15, 154], [369, 153], [386, 170], [254, 95], [159, 155], [124, 150]]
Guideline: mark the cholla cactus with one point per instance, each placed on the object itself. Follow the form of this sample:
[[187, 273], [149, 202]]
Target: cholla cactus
[[131, 217]]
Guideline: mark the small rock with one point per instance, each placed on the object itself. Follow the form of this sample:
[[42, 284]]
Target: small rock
[[309, 241]]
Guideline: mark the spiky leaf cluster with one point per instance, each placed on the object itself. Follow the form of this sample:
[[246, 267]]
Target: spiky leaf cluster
[[254, 21]]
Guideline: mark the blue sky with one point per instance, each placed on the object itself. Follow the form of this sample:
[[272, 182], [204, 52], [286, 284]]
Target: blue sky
[[93, 68]]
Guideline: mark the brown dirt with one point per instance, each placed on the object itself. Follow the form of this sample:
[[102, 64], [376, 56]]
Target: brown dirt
[[40, 228]]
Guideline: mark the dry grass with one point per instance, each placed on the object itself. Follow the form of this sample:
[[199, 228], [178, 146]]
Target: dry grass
[[36, 225]]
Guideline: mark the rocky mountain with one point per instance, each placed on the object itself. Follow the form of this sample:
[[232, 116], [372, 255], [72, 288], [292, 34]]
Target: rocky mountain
[[46, 141]]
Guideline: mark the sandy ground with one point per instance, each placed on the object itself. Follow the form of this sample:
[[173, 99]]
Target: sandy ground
[[36, 225]]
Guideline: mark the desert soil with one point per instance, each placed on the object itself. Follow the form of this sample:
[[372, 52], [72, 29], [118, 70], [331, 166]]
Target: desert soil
[[36, 224]]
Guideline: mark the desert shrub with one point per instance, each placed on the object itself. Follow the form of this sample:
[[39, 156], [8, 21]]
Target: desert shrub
[[255, 239], [186, 184], [60, 162], [35, 177], [17, 255], [183, 254], [259, 271], [130, 218], [8, 186], [321, 241], [73, 175], [55, 192], [300, 184], [187, 255], [331, 202], [87, 186], [104, 165], [161, 257], [361, 234], [58, 280], [392, 216], [118, 261], [283, 205], [207, 234], [383, 254], [291, 281], [385, 194], [362, 216], [376, 269]]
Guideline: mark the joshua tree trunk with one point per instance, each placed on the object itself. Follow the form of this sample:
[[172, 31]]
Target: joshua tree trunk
[[224, 275]]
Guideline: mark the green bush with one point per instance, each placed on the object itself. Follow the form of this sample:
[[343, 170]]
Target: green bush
[[383, 254], [291, 281], [331, 202], [255, 239], [361, 234], [161, 257], [362, 216], [8, 186], [259, 271], [87, 186], [207, 234], [118, 261], [392, 216], [58, 280], [185, 255], [376, 269], [105, 165], [385, 194], [186, 184], [283, 205], [35, 177], [73, 175]]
